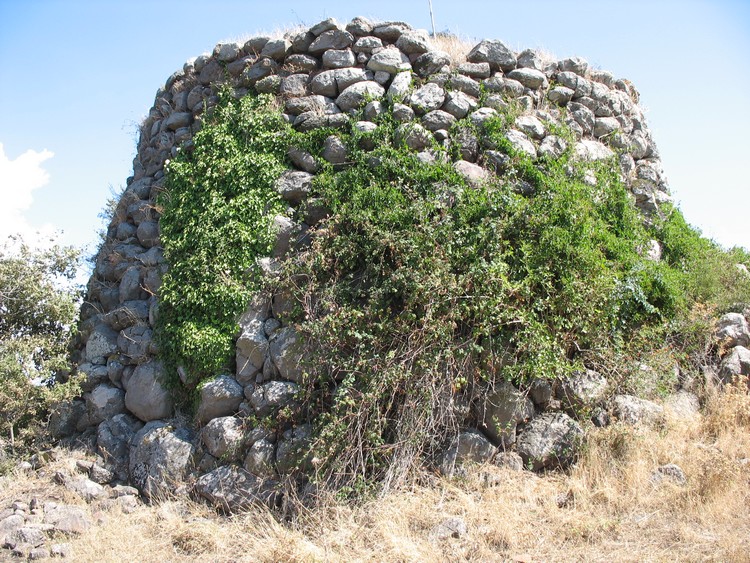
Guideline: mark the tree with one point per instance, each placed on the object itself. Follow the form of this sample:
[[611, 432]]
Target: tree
[[38, 308]]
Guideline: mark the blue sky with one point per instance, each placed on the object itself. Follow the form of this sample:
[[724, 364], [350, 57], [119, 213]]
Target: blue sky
[[76, 78]]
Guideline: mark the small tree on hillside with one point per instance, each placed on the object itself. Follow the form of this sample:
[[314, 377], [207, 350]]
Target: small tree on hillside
[[38, 307]]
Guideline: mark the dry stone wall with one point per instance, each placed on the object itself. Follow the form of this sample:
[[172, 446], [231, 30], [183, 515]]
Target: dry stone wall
[[321, 76]]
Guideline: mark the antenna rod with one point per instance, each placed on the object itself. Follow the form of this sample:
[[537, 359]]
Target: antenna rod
[[432, 17]]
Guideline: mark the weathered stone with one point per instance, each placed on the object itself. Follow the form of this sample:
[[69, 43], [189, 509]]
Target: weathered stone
[[332, 39], [345, 77], [400, 86], [113, 438], [294, 185], [413, 42], [367, 45], [146, 397], [64, 418], [604, 126], [87, 489], [261, 69], [389, 60], [160, 459], [357, 94], [669, 472], [475, 70], [227, 52], [414, 136], [500, 410], [449, 528], [683, 405], [130, 285], [129, 314], [390, 31], [359, 27], [334, 150], [223, 437], [427, 98], [101, 344], [550, 440], [552, 146], [634, 410], [291, 449], [494, 52], [582, 390], [104, 402], [459, 104], [402, 113], [294, 85], [303, 159], [521, 143], [276, 49], [301, 63], [341, 58], [232, 489], [529, 77], [474, 174], [431, 62], [260, 459], [67, 519], [531, 126], [177, 120], [286, 353], [574, 64], [732, 330], [438, 119], [220, 396], [509, 460], [468, 446], [735, 363], [466, 85], [272, 396], [591, 151], [529, 58], [560, 95]]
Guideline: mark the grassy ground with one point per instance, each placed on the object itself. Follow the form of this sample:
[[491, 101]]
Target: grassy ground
[[606, 508]]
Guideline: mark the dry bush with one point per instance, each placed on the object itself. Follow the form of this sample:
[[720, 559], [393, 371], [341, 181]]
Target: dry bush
[[456, 47]]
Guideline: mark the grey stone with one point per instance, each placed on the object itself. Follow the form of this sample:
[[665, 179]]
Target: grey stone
[[286, 233], [530, 58], [160, 458], [332, 39], [269, 84], [551, 439], [466, 85], [402, 113], [113, 438], [87, 489], [494, 52], [345, 77], [604, 126], [104, 402], [373, 110], [481, 115], [135, 343], [300, 63], [94, 375], [474, 174], [146, 397], [261, 69], [220, 396], [67, 519], [223, 437], [227, 52], [475, 70], [178, 119], [501, 409], [148, 233], [735, 363], [582, 390], [286, 353], [574, 64], [129, 314], [497, 160], [413, 42], [459, 104], [276, 49], [529, 77], [509, 460], [272, 396], [390, 31], [315, 103], [294, 85], [233, 489], [591, 151], [130, 285], [334, 150], [427, 98], [431, 62], [552, 147], [468, 446], [260, 458], [521, 143], [359, 27], [669, 472], [560, 95], [531, 126], [438, 119], [341, 58], [683, 405], [449, 528], [367, 45], [303, 159], [291, 449], [294, 185], [389, 60], [414, 136], [732, 330], [101, 344], [314, 211], [64, 418], [357, 94], [400, 86], [634, 410], [323, 26]]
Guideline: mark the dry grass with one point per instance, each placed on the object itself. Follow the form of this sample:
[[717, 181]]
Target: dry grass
[[457, 47], [607, 508]]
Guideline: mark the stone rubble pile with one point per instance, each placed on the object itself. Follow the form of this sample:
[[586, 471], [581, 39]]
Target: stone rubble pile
[[321, 77]]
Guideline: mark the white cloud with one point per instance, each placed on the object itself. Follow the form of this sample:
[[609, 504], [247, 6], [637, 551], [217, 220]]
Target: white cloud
[[18, 180]]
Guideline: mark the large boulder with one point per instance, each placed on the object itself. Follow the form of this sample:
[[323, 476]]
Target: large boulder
[[500, 411], [147, 397], [552, 439], [104, 402], [223, 437], [468, 446], [220, 396], [287, 354], [231, 489], [733, 330], [113, 438], [634, 410], [160, 458], [734, 364], [494, 52], [582, 390]]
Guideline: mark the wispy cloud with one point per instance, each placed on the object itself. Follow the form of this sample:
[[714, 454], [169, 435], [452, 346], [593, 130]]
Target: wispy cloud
[[18, 180]]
